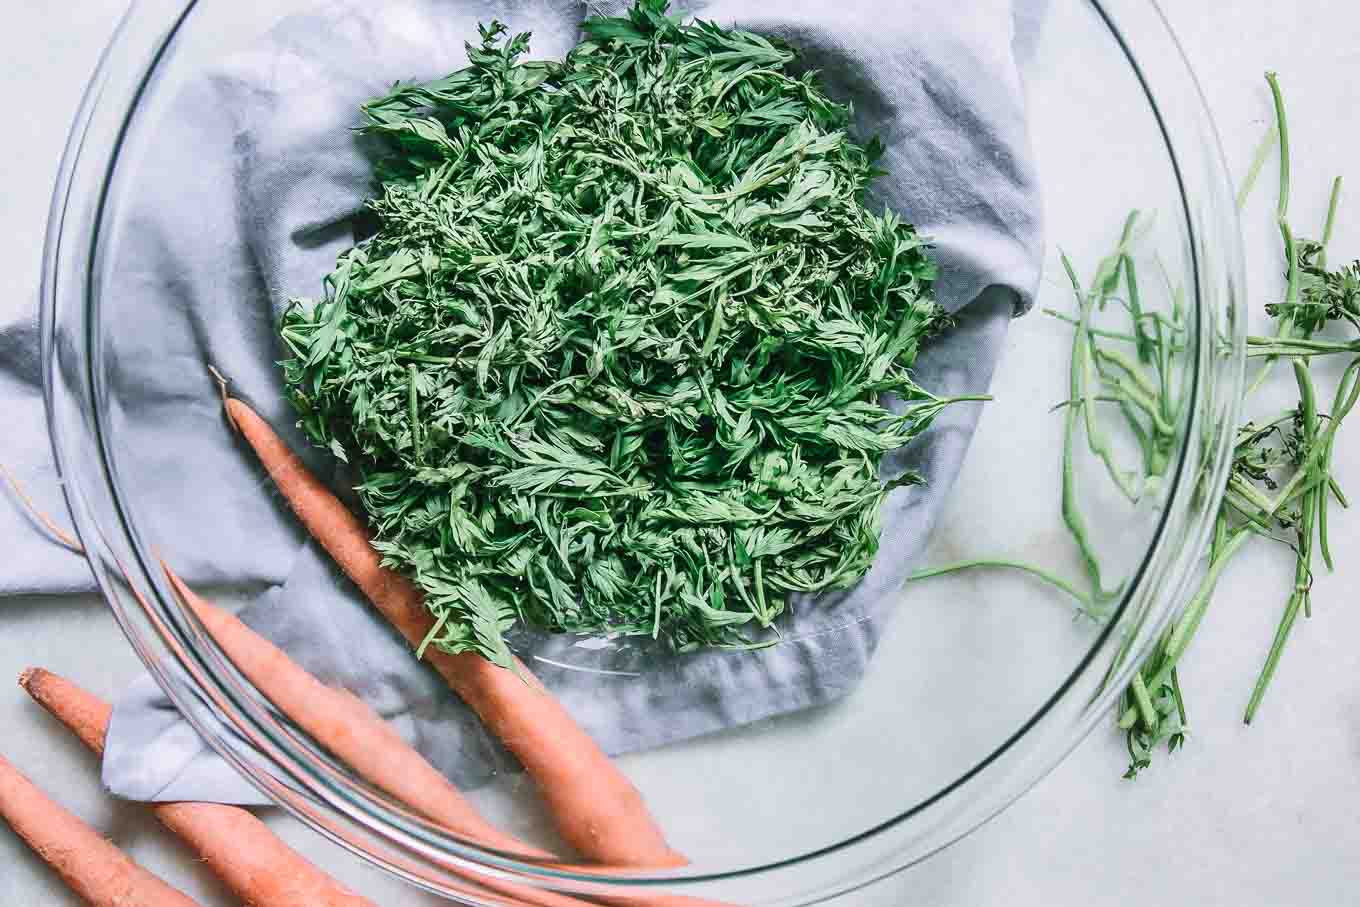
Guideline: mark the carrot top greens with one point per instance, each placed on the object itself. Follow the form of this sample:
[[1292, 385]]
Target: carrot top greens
[[615, 357], [1280, 487]]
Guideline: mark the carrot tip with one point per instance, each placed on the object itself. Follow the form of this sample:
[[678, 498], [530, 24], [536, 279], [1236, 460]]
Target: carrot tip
[[222, 385], [28, 676]]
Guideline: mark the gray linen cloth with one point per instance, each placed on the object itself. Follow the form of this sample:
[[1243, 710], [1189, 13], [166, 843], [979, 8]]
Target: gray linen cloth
[[258, 176]]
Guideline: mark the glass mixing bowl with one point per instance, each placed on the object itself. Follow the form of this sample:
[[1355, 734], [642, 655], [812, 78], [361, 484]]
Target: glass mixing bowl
[[981, 683]]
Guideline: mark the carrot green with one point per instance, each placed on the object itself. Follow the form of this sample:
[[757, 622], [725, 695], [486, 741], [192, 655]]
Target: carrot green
[[1280, 486], [625, 347]]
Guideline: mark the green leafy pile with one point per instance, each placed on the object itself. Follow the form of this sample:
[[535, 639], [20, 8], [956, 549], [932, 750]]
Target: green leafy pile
[[612, 358]]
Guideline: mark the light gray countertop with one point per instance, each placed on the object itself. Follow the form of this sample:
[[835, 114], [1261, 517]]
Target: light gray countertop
[[1250, 816]]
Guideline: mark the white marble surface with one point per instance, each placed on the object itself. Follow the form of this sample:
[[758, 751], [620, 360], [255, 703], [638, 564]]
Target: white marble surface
[[1266, 815]]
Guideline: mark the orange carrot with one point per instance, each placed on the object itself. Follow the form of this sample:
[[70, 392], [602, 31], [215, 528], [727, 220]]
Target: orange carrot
[[354, 732], [596, 808], [345, 725], [238, 848], [100, 873]]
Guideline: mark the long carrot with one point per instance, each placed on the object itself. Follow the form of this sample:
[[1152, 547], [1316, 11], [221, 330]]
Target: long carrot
[[238, 848], [100, 873], [345, 725], [597, 810], [354, 732]]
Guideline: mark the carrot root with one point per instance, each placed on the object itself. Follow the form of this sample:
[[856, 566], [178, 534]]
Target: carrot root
[[348, 728], [238, 848], [595, 807], [90, 865]]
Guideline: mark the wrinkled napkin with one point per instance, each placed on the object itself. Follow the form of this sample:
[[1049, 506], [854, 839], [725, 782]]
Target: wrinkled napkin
[[257, 176]]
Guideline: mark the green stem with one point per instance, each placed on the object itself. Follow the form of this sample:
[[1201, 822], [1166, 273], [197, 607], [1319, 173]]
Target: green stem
[[1002, 563], [1099, 398], [1274, 347], [714, 328], [1144, 702], [1336, 488], [961, 398], [1282, 219], [1180, 700], [1327, 228], [1303, 479], [1129, 368], [1252, 495], [760, 594], [1083, 377], [1117, 335], [1347, 393], [1071, 511], [1258, 160], [1136, 310], [1188, 624], [1303, 344], [1291, 614], [1282, 127], [413, 403], [1308, 406]]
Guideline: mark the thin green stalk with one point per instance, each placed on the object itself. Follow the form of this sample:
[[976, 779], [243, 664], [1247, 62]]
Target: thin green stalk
[[1002, 563], [1282, 126], [1285, 328], [1130, 368], [1347, 393], [1082, 377], [1119, 335], [1303, 564], [1322, 498], [1180, 700], [1147, 446], [1309, 405], [1147, 404], [1258, 160], [1143, 701], [1220, 536], [1328, 227], [1145, 348], [1164, 377], [1252, 495], [1308, 409], [1336, 489], [760, 593], [1297, 346], [413, 403], [1291, 614], [1098, 398], [1189, 622], [1071, 511]]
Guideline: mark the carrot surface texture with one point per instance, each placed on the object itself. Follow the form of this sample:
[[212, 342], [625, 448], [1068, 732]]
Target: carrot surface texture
[[239, 849], [347, 727], [96, 870], [595, 807]]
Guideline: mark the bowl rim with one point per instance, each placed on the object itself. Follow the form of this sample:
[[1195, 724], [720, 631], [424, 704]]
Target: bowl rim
[[106, 112]]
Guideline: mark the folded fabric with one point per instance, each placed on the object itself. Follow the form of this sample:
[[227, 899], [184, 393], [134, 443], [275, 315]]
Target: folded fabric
[[258, 176]]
